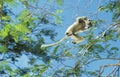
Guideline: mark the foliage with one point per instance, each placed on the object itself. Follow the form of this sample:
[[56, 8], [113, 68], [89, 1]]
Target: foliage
[[23, 31], [112, 6]]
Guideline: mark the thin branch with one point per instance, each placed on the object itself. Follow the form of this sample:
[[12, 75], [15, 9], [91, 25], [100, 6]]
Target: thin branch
[[107, 65], [113, 71], [102, 70], [102, 59], [118, 73]]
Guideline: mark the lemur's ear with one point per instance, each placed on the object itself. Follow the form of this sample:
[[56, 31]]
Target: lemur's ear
[[80, 21]]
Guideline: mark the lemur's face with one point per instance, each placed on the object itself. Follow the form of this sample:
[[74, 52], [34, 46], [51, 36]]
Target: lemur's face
[[87, 22]]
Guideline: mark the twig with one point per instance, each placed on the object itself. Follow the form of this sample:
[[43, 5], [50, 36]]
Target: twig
[[107, 65], [103, 59], [113, 71], [101, 71]]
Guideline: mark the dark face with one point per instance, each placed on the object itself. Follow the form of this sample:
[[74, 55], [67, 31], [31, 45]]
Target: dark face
[[88, 23], [85, 21]]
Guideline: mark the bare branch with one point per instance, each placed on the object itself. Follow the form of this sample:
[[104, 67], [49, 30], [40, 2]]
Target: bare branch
[[102, 68], [102, 59]]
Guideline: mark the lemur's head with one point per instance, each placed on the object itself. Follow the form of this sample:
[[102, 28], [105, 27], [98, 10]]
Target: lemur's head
[[87, 21]]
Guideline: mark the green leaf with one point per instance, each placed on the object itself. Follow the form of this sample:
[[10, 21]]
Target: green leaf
[[5, 17], [101, 8], [2, 63], [3, 48], [25, 38], [22, 28], [27, 75], [43, 69], [101, 21], [114, 48], [55, 49], [94, 22], [60, 2], [23, 15], [58, 20], [32, 0], [9, 1], [4, 32], [98, 48], [107, 37], [8, 68], [59, 11], [15, 35], [15, 38], [66, 53]]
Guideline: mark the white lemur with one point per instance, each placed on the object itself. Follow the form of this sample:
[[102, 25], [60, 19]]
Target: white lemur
[[81, 24]]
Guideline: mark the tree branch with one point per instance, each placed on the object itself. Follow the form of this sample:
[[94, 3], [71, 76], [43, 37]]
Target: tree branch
[[108, 65]]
